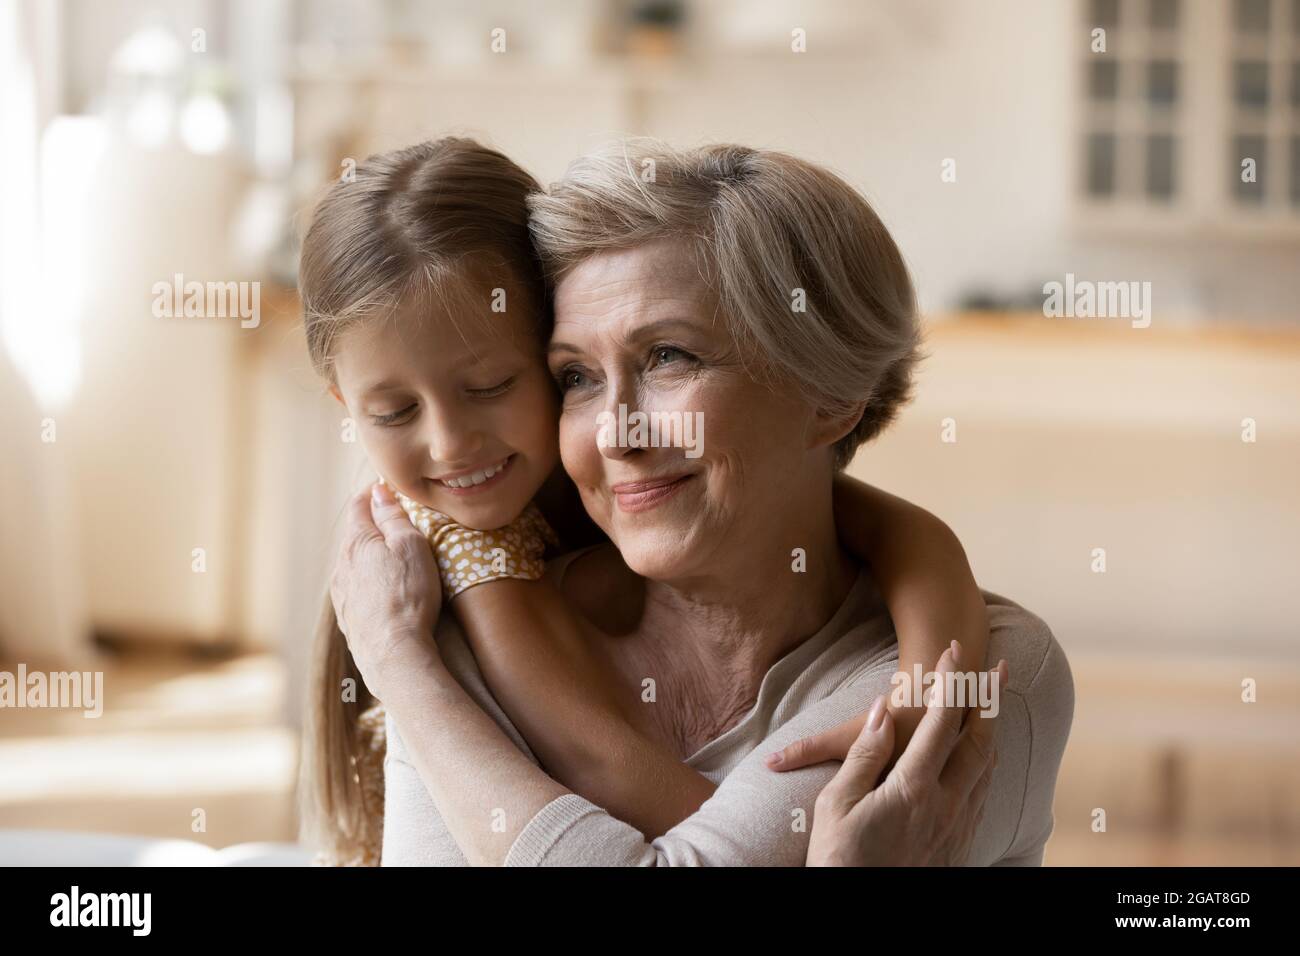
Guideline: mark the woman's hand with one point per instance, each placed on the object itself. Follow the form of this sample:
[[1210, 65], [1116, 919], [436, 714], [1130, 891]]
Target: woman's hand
[[385, 586], [925, 811]]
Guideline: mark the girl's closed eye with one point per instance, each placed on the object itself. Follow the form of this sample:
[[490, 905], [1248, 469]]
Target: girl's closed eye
[[494, 390], [394, 418]]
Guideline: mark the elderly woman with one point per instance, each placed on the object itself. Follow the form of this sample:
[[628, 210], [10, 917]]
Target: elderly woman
[[774, 303]]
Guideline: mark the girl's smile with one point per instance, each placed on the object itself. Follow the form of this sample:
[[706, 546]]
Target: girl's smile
[[477, 480]]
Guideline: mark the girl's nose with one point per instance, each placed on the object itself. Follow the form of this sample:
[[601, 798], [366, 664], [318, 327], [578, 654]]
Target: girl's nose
[[455, 441]]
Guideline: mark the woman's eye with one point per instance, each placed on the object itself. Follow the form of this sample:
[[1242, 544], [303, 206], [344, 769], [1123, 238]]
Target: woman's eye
[[571, 378], [393, 418], [494, 391], [664, 354]]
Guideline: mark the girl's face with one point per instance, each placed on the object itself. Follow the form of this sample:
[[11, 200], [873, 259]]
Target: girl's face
[[459, 414]]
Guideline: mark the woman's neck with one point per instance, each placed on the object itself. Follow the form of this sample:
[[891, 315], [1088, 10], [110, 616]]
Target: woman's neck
[[711, 639]]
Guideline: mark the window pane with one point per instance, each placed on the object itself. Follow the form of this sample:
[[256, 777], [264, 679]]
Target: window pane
[[1101, 164], [1164, 14], [1160, 166], [1103, 13], [1250, 83], [1162, 82], [1103, 79], [1243, 148], [1251, 16]]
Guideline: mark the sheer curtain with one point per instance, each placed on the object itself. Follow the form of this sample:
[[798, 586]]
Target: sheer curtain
[[42, 602]]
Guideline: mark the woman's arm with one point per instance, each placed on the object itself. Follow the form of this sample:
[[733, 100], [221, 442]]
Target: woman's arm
[[924, 577], [923, 812], [484, 788], [563, 700]]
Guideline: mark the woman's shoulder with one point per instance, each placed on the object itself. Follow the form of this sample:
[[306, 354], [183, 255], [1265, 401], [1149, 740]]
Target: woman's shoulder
[[1037, 662]]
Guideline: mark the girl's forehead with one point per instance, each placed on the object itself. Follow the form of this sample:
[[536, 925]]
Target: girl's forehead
[[474, 303], [437, 336], [471, 312]]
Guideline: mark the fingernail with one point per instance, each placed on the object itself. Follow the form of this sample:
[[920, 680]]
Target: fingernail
[[775, 759], [876, 718], [956, 652]]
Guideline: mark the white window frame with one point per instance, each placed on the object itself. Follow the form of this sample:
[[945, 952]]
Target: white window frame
[[1203, 124]]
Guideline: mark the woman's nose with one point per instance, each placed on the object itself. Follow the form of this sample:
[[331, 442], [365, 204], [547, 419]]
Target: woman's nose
[[615, 425]]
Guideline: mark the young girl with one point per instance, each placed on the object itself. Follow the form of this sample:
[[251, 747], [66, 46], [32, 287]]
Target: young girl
[[427, 313]]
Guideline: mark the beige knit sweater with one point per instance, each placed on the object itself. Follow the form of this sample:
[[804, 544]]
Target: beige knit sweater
[[757, 816]]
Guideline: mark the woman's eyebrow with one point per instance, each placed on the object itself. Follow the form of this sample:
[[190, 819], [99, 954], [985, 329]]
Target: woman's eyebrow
[[659, 327], [557, 347], [641, 332]]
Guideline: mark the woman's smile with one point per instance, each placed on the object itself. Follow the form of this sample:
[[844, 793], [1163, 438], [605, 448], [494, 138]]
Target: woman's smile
[[634, 496]]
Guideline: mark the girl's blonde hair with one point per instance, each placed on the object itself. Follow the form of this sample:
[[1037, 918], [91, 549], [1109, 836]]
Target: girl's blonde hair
[[805, 274], [410, 223]]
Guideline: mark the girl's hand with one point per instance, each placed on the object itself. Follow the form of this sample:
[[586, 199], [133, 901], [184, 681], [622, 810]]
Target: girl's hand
[[925, 811], [385, 586]]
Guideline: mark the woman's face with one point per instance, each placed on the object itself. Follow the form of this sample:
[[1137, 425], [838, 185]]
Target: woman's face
[[638, 328], [457, 415]]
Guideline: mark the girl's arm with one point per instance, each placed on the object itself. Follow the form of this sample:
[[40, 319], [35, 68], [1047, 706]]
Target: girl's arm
[[925, 579], [542, 671], [563, 700]]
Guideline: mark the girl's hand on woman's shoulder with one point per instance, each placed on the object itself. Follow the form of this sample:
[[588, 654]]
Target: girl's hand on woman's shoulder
[[385, 587]]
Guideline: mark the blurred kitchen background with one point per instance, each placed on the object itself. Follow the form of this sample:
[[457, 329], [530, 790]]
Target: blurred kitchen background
[[170, 488]]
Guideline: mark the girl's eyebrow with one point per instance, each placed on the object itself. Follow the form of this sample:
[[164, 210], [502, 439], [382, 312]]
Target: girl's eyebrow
[[468, 360], [387, 385]]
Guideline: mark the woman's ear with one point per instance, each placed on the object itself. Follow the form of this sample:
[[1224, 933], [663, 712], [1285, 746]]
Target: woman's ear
[[829, 428]]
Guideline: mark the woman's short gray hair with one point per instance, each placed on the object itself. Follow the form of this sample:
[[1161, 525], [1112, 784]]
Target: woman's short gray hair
[[807, 277]]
